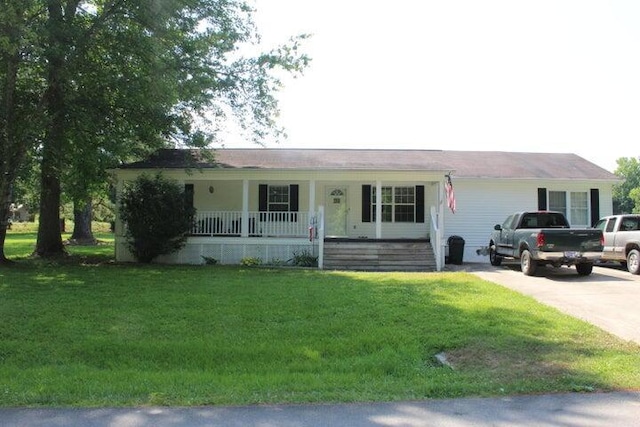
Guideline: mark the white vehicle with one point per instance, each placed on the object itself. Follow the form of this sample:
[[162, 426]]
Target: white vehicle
[[621, 240]]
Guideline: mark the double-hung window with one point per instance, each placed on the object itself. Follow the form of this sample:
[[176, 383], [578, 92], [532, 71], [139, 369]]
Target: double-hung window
[[278, 198], [398, 204], [574, 205], [281, 199]]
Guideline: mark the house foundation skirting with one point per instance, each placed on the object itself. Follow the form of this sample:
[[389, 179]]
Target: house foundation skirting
[[231, 250]]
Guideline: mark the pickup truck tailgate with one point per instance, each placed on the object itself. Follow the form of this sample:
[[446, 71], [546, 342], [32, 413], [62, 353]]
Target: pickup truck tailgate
[[566, 239]]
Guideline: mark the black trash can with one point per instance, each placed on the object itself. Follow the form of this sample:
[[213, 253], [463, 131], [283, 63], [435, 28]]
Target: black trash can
[[456, 249]]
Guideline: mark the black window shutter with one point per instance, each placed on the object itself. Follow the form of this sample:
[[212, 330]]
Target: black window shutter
[[188, 195], [542, 199], [262, 197], [366, 203], [419, 203], [293, 197], [595, 205]]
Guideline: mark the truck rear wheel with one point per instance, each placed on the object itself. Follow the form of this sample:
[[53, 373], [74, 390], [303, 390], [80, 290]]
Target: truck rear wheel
[[633, 261], [584, 269], [494, 258], [528, 265]]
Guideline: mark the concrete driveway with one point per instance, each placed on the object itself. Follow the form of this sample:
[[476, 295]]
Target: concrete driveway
[[608, 298]]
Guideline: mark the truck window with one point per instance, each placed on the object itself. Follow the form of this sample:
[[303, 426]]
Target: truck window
[[507, 222], [554, 220], [529, 221], [629, 224], [611, 225], [600, 225]]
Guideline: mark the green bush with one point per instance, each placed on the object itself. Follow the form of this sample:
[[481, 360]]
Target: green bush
[[250, 261], [156, 215], [304, 258]]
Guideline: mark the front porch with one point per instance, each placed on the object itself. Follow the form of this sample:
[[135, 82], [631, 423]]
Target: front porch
[[274, 238], [391, 223]]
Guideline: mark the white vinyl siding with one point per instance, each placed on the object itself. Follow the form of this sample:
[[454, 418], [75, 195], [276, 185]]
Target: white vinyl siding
[[481, 204]]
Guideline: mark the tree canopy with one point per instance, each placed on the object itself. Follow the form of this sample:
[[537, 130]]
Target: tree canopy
[[626, 195], [89, 83]]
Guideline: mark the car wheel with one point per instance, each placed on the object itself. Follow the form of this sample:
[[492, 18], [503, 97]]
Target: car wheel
[[494, 258], [528, 265], [633, 261], [584, 269]]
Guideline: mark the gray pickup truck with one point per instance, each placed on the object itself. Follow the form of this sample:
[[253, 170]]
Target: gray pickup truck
[[545, 237], [621, 240]]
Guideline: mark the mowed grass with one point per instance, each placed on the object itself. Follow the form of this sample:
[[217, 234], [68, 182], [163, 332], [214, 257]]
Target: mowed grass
[[103, 334]]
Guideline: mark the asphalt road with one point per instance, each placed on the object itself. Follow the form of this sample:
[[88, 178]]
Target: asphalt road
[[565, 410]]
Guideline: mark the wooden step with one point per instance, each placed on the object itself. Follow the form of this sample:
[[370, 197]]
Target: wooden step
[[379, 255]]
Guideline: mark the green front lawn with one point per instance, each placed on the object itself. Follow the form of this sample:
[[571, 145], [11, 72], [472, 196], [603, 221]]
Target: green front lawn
[[98, 333]]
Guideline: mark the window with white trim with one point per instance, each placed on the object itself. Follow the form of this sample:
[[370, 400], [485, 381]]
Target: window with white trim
[[398, 204], [278, 198], [574, 205], [558, 201], [579, 208]]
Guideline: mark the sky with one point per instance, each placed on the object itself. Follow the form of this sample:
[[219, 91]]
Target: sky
[[554, 76]]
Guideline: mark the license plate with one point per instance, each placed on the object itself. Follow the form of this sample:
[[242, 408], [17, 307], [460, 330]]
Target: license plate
[[572, 254]]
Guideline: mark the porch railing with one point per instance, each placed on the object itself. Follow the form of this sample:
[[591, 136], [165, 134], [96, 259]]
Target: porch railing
[[229, 223]]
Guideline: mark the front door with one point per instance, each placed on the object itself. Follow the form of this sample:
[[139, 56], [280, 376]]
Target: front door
[[336, 211]]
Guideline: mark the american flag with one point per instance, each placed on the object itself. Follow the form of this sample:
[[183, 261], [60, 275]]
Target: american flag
[[451, 197]]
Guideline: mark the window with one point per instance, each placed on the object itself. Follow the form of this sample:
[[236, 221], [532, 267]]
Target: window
[[579, 208], [558, 201], [507, 222], [278, 198], [630, 224], [582, 208], [404, 200], [398, 204], [575, 207]]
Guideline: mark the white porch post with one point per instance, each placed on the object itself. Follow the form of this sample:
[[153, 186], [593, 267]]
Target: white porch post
[[378, 209], [320, 237], [312, 197], [440, 237], [245, 208]]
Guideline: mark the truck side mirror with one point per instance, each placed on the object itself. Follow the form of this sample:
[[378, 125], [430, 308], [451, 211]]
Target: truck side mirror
[[497, 227]]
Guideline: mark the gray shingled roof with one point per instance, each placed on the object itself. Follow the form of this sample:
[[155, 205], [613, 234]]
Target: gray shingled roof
[[469, 164]]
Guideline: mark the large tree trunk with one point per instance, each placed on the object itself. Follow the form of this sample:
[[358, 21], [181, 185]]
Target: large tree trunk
[[49, 242], [4, 214], [6, 182], [11, 146], [82, 216]]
